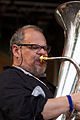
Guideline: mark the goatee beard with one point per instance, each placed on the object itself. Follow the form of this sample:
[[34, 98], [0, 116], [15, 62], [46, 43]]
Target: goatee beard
[[39, 72]]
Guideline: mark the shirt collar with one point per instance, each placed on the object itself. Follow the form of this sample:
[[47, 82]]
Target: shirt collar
[[28, 73]]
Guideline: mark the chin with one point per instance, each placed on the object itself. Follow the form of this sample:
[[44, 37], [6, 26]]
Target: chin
[[41, 68], [40, 71]]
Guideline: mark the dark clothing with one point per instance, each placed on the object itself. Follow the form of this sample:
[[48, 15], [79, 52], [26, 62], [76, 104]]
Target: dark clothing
[[18, 99]]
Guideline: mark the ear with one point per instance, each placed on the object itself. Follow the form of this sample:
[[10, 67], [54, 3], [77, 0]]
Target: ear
[[16, 50]]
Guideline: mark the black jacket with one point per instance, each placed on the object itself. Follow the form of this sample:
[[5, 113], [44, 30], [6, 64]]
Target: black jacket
[[18, 98]]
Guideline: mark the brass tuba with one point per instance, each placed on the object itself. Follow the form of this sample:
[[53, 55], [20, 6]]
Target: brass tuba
[[68, 16]]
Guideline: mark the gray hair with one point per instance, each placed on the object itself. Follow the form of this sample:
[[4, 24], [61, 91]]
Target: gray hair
[[18, 36]]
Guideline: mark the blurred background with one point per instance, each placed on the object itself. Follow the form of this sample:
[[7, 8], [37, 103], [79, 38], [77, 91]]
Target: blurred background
[[17, 13]]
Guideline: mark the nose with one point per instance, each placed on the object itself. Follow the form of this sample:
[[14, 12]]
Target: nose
[[42, 52]]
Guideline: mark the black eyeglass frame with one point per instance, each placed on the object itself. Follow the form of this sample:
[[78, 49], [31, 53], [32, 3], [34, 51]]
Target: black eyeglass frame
[[37, 46]]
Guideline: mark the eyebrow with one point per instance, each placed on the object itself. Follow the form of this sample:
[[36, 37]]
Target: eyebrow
[[29, 44]]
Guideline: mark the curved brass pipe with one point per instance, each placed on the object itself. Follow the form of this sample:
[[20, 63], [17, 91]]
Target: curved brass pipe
[[62, 59]]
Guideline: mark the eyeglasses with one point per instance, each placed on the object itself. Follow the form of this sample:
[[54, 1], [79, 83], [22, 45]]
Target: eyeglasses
[[36, 47]]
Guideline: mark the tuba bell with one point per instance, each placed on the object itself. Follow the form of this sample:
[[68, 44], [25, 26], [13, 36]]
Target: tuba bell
[[68, 16]]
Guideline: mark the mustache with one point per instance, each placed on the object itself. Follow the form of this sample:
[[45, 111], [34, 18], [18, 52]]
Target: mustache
[[37, 58]]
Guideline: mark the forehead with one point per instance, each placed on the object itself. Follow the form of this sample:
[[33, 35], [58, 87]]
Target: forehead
[[33, 36]]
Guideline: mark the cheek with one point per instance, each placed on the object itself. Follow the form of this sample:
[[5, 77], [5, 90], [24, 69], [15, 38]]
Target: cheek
[[28, 57]]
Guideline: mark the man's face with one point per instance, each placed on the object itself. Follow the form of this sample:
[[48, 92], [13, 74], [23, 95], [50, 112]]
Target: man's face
[[31, 57]]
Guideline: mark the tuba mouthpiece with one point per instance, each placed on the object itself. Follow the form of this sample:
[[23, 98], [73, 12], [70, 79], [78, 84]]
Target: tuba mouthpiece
[[43, 59]]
